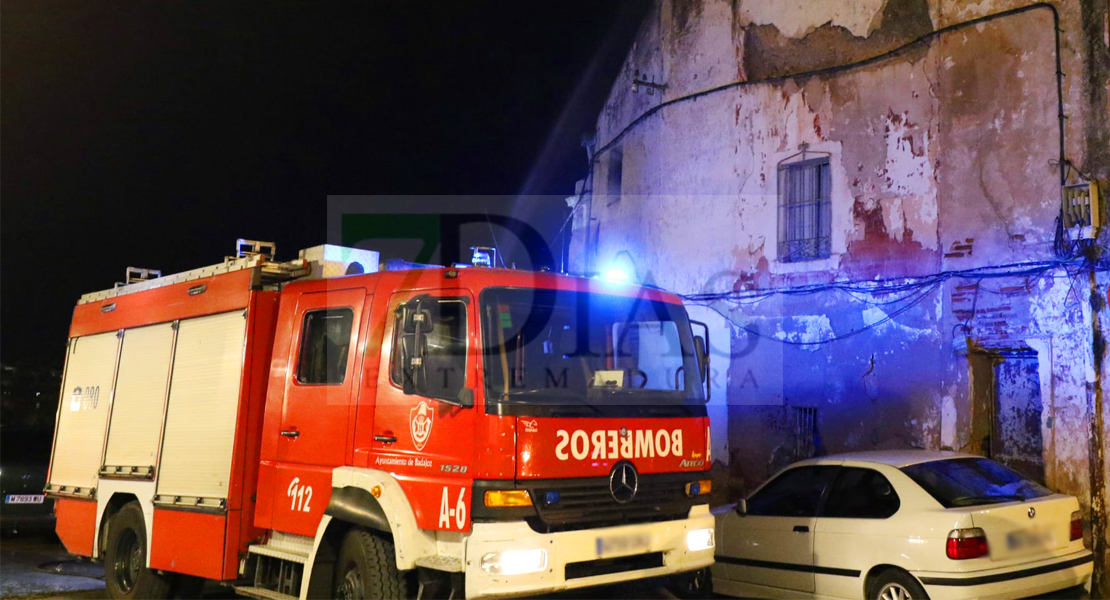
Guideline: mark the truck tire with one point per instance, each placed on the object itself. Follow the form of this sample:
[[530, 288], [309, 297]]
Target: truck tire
[[126, 575], [367, 569]]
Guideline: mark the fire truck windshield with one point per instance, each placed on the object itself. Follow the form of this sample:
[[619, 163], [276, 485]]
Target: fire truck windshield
[[554, 347]]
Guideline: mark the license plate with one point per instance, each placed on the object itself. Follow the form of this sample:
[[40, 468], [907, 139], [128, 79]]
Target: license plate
[[24, 499], [623, 544], [1029, 539]]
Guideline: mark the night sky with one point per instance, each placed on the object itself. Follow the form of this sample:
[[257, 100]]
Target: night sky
[[153, 134]]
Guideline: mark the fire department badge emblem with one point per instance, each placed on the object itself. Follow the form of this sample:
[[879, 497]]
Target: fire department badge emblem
[[420, 424]]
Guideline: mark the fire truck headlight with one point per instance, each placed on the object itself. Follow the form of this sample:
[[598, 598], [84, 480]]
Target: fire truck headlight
[[700, 539], [514, 562]]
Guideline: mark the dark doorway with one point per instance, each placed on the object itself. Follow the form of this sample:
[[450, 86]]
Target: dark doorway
[[1018, 407], [1007, 409]]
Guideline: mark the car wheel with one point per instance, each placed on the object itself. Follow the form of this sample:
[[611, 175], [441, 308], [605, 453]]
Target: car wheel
[[367, 569], [897, 585], [694, 585], [126, 575]]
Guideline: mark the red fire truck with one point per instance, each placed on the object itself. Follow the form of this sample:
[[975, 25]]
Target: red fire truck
[[320, 428]]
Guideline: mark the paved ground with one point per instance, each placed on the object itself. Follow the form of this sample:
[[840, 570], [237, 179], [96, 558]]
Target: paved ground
[[36, 567]]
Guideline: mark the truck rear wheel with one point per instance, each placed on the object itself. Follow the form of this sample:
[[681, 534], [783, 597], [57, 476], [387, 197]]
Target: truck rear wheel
[[126, 575], [367, 569]]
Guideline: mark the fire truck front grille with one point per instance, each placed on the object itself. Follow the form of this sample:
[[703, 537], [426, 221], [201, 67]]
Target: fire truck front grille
[[608, 566], [586, 503]]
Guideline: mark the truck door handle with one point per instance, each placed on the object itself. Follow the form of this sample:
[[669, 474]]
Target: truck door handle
[[385, 439], [801, 529], [290, 433]]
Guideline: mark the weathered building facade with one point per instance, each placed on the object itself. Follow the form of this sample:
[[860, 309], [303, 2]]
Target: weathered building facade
[[862, 198]]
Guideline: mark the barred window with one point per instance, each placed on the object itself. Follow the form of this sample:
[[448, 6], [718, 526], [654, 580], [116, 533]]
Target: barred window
[[805, 210]]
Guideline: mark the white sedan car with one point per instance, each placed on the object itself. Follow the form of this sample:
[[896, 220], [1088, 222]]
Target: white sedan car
[[899, 526]]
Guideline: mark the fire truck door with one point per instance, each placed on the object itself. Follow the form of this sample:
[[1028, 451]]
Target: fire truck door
[[426, 438], [323, 363]]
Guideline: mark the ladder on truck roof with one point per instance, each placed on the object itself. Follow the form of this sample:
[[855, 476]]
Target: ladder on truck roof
[[249, 254]]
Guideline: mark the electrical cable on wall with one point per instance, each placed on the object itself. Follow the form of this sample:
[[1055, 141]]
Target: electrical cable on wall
[[915, 291], [860, 63], [1065, 249]]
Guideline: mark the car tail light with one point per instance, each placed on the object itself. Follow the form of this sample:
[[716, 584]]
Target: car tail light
[[1076, 526], [966, 543]]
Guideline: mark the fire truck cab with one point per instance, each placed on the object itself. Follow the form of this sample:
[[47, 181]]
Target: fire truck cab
[[316, 428]]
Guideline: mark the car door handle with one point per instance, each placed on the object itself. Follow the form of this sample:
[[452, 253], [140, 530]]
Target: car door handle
[[290, 433], [801, 529], [385, 439]]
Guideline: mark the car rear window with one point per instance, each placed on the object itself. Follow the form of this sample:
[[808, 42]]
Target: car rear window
[[972, 482]]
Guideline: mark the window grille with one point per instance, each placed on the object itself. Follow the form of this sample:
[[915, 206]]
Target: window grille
[[805, 432], [805, 213]]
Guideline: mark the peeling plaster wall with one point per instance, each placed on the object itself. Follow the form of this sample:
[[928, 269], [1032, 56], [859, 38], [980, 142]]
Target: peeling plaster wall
[[939, 159]]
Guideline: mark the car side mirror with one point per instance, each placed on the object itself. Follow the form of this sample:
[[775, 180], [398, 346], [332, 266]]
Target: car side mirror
[[742, 507]]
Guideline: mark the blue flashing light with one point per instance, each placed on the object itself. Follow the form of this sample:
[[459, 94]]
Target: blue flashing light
[[483, 257], [695, 489], [616, 274], [551, 498]]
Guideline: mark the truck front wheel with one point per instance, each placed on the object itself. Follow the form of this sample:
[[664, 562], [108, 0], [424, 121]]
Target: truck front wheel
[[367, 569], [125, 572]]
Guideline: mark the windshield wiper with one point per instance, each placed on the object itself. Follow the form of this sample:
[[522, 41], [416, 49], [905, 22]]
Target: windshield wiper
[[577, 400]]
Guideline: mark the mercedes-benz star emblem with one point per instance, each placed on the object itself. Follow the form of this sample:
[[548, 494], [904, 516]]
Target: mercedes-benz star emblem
[[1032, 512], [625, 432], [624, 482]]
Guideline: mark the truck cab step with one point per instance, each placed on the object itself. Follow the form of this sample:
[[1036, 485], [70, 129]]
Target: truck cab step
[[283, 554], [261, 593], [448, 564], [285, 546]]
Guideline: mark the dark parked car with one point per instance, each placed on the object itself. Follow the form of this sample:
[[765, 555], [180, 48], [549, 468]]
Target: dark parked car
[[24, 459]]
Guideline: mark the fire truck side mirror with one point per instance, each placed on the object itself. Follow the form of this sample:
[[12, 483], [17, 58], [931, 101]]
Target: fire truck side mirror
[[742, 507], [703, 357], [417, 316], [409, 387], [416, 377], [466, 398], [701, 348]]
